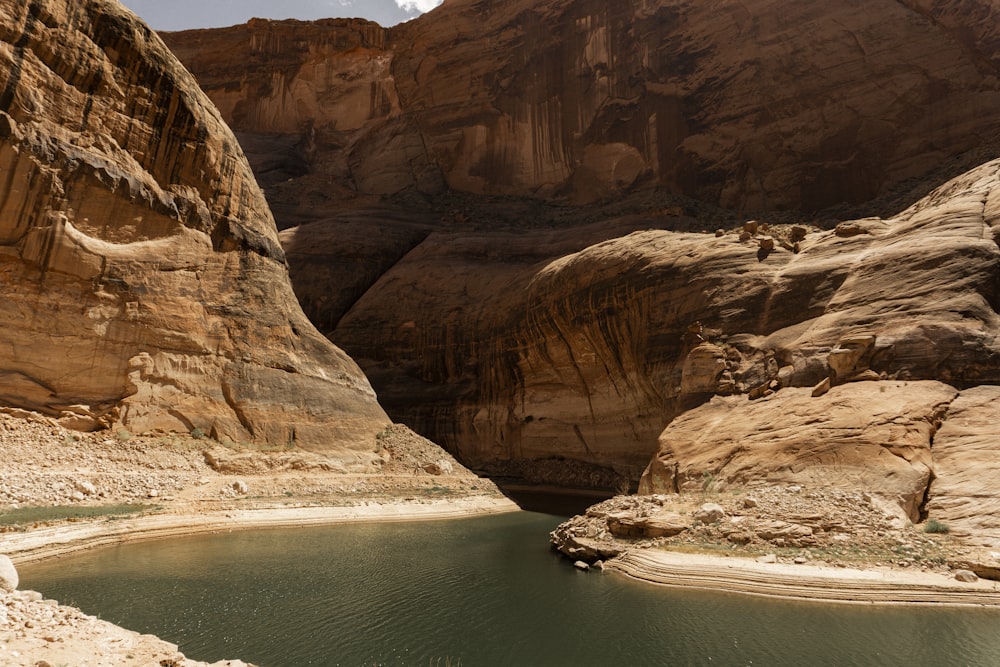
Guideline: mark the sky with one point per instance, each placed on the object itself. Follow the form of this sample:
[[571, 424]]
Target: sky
[[187, 14]]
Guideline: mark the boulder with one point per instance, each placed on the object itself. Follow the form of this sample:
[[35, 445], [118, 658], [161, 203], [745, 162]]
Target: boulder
[[781, 530], [709, 513], [851, 356], [85, 487], [664, 524], [822, 387], [703, 369], [966, 576], [8, 574]]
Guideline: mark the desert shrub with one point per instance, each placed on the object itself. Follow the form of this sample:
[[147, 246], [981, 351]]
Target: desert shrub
[[935, 526]]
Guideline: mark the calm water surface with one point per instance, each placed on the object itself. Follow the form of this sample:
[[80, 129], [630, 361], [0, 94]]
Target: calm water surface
[[472, 592]]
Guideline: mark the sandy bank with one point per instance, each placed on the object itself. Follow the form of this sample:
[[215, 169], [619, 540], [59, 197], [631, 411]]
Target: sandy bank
[[65, 538], [883, 585]]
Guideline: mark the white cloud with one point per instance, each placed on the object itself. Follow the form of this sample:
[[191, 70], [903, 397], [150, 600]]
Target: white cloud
[[418, 5]]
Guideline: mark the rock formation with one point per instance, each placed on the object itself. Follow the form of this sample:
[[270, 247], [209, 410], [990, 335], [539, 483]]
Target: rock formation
[[870, 436], [964, 496], [579, 343], [754, 105], [511, 227], [143, 281]]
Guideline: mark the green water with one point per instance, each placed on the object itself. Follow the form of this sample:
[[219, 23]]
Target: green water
[[472, 592]]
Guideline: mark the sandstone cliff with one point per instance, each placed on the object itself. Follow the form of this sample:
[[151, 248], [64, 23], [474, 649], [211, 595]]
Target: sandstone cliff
[[143, 281], [559, 343], [749, 105], [512, 229]]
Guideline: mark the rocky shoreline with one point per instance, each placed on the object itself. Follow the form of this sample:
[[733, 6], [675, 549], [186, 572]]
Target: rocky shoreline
[[783, 541], [64, 491]]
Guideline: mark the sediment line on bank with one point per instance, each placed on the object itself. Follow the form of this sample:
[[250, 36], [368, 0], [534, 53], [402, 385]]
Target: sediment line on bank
[[63, 539], [803, 582]]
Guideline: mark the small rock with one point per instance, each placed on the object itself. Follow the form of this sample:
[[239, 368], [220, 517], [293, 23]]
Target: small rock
[[720, 232], [822, 388], [750, 227], [153, 493], [8, 574], [750, 502], [966, 576], [766, 243], [85, 487], [709, 513], [800, 560], [580, 565], [240, 487], [77, 496], [848, 229], [769, 558]]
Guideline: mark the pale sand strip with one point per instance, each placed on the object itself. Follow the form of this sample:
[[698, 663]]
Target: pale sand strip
[[804, 582], [65, 538]]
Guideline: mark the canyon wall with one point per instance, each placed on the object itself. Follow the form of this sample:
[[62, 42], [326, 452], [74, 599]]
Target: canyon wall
[[582, 343], [143, 282], [754, 106], [507, 213]]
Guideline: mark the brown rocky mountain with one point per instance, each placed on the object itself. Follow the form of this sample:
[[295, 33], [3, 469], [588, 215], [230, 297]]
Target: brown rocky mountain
[[143, 281], [754, 106], [511, 213]]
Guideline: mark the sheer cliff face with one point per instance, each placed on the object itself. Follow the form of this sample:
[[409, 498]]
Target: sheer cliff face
[[557, 344], [751, 105], [582, 343], [143, 281]]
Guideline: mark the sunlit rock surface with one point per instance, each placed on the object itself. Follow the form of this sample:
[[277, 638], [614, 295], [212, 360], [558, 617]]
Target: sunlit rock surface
[[143, 282]]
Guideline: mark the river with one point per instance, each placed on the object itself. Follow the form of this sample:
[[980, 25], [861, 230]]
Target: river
[[472, 592]]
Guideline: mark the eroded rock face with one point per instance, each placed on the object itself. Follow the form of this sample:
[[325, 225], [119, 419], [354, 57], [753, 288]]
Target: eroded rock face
[[964, 495], [866, 436], [316, 107], [143, 281], [562, 342], [751, 105], [572, 343]]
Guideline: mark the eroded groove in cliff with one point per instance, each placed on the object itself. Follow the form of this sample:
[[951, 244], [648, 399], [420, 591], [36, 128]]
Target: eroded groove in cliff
[[936, 421]]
